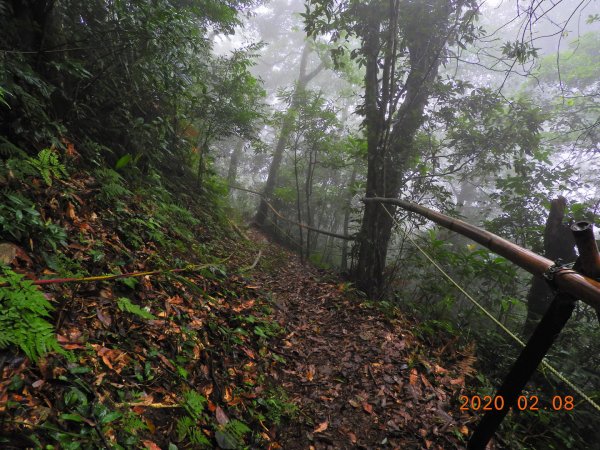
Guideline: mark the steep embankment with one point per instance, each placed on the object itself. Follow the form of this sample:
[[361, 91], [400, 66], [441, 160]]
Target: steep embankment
[[225, 354]]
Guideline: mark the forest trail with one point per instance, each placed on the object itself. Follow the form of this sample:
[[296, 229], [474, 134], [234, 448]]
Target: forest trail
[[358, 373]]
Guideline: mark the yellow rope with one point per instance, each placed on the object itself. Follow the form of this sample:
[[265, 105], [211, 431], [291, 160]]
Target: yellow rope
[[545, 363]]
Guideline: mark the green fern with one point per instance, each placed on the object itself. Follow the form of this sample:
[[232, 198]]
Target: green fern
[[23, 309], [48, 165], [231, 435], [186, 427], [125, 304], [194, 404], [111, 185]]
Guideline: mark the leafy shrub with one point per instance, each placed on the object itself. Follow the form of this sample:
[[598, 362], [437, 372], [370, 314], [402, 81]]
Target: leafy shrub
[[178, 219], [23, 313], [20, 220]]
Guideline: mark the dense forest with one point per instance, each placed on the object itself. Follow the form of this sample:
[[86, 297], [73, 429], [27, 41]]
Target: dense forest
[[215, 224]]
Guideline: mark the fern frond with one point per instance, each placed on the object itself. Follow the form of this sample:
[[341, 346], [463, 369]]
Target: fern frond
[[48, 165], [125, 304], [23, 309], [112, 185], [8, 149], [194, 404]]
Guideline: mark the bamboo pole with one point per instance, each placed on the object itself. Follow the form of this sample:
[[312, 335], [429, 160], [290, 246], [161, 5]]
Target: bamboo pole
[[566, 280]]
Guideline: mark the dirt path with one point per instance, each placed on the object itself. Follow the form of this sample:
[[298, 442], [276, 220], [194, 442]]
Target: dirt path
[[360, 377]]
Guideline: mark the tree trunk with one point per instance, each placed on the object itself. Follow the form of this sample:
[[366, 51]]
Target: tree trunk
[[347, 209], [298, 201], [558, 243], [286, 129], [234, 162], [308, 188], [388, 159]]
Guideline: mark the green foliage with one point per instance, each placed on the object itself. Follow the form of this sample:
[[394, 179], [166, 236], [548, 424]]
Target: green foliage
[[48, 165], [275, 406], [20, 220], [112, 186], [231, 435], [135, 92], [125, 305], [180, 220], [194, 404], [186, 428], [8, 149], [23, 317], [579, 64], [520, 51]]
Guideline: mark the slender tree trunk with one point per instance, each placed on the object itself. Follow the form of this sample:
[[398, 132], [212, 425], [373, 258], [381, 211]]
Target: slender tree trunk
[[234, 162], [298, 202], [329, 243], [558, 243], [347, 209], [287, 127], [308, 188]]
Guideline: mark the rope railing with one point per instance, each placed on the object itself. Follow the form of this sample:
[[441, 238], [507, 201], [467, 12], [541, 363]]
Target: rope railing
[[282, 217]]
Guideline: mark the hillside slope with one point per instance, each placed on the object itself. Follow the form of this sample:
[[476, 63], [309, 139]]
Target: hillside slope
[[233, 352]]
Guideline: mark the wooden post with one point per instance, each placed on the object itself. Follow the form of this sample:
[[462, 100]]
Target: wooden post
[[545, 334], [588, 262], [558, 243]]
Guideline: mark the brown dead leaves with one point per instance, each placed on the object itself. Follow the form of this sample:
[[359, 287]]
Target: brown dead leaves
[[349, 368]]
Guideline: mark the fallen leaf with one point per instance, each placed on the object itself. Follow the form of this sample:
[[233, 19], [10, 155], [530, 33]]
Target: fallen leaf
[[439, 369], [8, 253], [222, 418], [104, 318], [71, 211], [249, 352], [150, 425], [321, 427], [354, 403], [207, 390], [367, 408], [352, 437], [166, 361], [414, 375], [149, 445], [227, 395]]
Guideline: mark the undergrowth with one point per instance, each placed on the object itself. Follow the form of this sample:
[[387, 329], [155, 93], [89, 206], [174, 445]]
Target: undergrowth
[[178, 361]]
